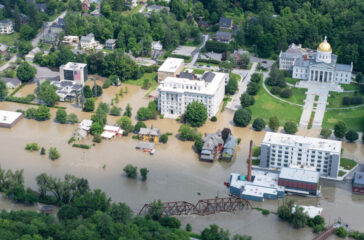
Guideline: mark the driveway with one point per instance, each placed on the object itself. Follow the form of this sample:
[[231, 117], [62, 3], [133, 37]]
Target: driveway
[[245, 75], [197, 53], [7, 64]]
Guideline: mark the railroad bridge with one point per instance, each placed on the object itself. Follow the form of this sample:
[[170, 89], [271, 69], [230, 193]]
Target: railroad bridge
[[202, 207]]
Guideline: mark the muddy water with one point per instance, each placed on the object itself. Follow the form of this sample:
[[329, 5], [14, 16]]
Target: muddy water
[[175, 171]]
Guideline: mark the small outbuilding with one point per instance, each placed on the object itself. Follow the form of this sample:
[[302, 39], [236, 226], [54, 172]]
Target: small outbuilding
[[8, 118], [149, 134]]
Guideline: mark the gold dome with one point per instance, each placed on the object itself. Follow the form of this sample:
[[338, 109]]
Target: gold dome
[[324, 46]]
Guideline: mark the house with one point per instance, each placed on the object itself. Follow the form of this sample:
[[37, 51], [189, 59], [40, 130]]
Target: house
[[72, 71], [203, 23], [41, 7], [6, 26], [225, 23], [156, 8], [11, 82], [96, 12], [223, 36], [86, 5], [70, 40], [149, 134], [80, 134], [213, 143], [3, 48], [145, 146], [50, 38], [156, 45], [110, 44], [358, 183], [56, 28], [30, 56], [86, 125], [111, 131], [229, 146], [88, 41]]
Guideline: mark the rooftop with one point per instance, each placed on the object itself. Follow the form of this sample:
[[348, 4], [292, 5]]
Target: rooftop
[[74, 66], [225, 22], [6, 22], [359, 178], [171, 65], [272, 138], [311, 211], [8, 117], [110, 41], [184, 51], [299, 174]]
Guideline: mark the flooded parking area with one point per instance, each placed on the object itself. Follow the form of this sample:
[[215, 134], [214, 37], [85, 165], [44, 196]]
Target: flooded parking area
[[175, 173]]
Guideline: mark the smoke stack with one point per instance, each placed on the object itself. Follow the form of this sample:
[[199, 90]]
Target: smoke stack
[[250, 161]]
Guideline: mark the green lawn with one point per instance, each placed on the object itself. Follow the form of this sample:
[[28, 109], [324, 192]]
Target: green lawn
[[352, 86], [8, 39], [347, 164], [341, 173], [205, 64], [335, 99], [198, 71], [298, 95], [353, 118], [292, 81], [266, 106], [140, 81]]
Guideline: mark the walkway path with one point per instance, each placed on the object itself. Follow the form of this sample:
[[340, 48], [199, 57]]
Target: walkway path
[[307, 110], [320, 109], [245, 75]]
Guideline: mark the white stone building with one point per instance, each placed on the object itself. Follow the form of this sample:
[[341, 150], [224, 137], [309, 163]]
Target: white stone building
[[6, 26], [283, 150], [174, 94], [315, 67], [170, 68]]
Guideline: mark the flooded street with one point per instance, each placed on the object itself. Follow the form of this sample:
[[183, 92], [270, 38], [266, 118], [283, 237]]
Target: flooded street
[[175, 173]]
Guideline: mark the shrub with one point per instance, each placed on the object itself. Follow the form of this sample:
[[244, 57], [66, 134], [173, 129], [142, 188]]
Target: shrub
[[273, 123], [84, 146], [115, 111], [144, 173], [325, 133], [61, 116], [198, 144], [213, 119], [72, 139], [144, 114], [53, 153], [89, 105], [351, 136], [256, 151], [259, 124], [188, 227], [286, 93], [32, 147], [130, 171], [246, 100], [231, 87], [97, 138], [290, 127], [340, 129], [42, 151], [265, 212], [341, 232], [72, 118], [239, 140], [107, 83], [276, 90], [255, 78], [253, 88], [164, 138], [242, 117]]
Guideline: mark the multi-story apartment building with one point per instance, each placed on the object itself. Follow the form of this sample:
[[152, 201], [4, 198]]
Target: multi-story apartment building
[[170, 68], [6, 26], [282, 150], [174, 94]]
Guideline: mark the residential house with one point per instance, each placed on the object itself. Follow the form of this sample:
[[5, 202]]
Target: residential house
[[111, 131], [41, 7], [88, 41], [30, 56], [11, 82], [110, 44], [156, 8], [56, 28], [86, 5], [50, 38], [226, 23], [86, 125], [96, 12], [229, 146], [6, 26], [213, 143], [71, 40], [149, 134], [156, 45], [223, 36], [203, 23]]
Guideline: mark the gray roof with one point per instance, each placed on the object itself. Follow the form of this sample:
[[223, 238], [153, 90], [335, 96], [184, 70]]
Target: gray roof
[[6, 22], [41, 6], [225, 36], [149, 131], [211, 141], [300, 62], [230, 142], [88, 37], [14, 81], [187, 75], [359, 178], [225, 22], [300, 175], [110, 41], [343, 67], [208, 76], [145, 145]]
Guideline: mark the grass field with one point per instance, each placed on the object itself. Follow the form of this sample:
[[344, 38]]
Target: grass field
[[335, 99], [353, 118], [8, 39], [198, 71], [140, 81], [291, 80], [347, 163], [298, 95], [351, 86], [266, 106]]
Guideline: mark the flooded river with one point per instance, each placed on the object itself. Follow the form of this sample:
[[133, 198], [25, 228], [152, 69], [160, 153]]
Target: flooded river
[[175, 171]]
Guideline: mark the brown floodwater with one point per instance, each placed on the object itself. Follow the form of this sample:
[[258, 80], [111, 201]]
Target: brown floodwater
[[175, 171]]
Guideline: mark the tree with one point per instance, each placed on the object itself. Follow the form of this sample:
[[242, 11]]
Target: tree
[[253, 88], [325, 133], [130, 171], [241, 237], [299, 218], [273, 123], [87, 92], [3, 90], [290, 127], [61, 116], [90, 202], [214, 233], [186, 133], [196, 114], [42, 113], [242, 117], [340, 129], [255, 78], [67, 212], [96, 128], [341, 232], [138, 126], [120, 212], [285, 210], [144, 114], [53, 153], [259, 124], [115, 111], [47, 93], [170, 222], [359, 77], [89, 105], [225, 133], [178, 8], [97, 91], [128, 111], [246, 100], [231, 87], [42, 151], [351, 136], [164, 138], [125, 123], [72, 118], [198, 144], [156, 209], [26, 32], [24, 47], [26, 72], [144, 173]]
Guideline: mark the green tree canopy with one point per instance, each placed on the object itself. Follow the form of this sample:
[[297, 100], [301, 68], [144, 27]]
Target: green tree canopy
[[290, 127], [47, 93], [196, 114], [26, 72], [242, 117], [340, 129]]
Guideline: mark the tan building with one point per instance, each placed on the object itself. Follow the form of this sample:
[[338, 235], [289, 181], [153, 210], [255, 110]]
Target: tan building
[[170, 68]]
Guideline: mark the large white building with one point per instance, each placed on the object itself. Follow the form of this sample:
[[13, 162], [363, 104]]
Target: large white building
[[74, 72], [319, 66], [174, 94], [170, 68], [6, 26], [283, 150]]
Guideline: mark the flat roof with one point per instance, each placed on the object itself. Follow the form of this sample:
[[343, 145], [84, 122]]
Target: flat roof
[[8, 117], [258, 191], [300, 174], [272, 138], [184, 51], [74, 66], [359, 178], [311, 211], [171, 65]]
